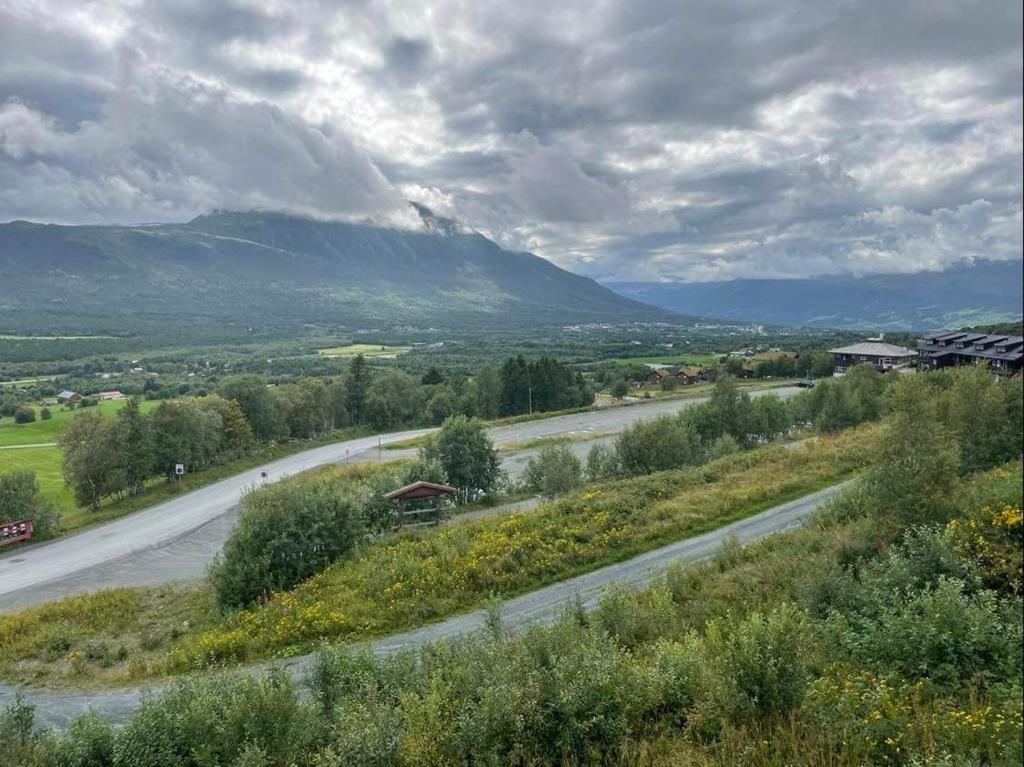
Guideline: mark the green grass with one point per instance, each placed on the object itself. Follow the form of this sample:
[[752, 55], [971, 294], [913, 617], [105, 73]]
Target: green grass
[[45, 462], [40, 431], [409, 580], [696, 360], [367, 350]]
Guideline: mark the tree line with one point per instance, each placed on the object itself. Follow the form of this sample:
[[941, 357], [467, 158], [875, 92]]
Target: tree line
[[115, 457]]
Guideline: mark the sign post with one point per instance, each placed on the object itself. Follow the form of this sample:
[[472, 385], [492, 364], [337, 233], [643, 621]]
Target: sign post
[[179, 471]]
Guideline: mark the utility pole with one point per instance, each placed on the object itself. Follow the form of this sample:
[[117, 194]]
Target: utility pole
[[529, 390]]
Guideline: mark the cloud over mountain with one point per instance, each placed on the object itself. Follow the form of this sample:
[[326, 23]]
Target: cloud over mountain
[[649, 139]]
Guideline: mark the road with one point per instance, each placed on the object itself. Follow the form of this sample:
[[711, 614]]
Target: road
[[56, 709], [176, 539]]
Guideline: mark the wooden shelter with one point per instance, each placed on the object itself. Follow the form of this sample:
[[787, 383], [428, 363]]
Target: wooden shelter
[[423, 501]]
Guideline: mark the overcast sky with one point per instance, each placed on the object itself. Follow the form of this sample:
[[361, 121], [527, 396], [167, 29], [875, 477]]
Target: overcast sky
[[625, 139]]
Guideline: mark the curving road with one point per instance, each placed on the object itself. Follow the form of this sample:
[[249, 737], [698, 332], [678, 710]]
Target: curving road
[[176, 539], [56, 709]]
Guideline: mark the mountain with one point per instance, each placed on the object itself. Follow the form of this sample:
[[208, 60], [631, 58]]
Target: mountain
[[276, 271], [966, 294]]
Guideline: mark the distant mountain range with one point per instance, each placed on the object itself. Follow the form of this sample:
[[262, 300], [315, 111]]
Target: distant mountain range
[[966, 294], [276, 271]]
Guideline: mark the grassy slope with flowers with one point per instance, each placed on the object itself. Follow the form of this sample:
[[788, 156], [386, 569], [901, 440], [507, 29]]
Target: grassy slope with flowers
[[118, 635], [415, 579]]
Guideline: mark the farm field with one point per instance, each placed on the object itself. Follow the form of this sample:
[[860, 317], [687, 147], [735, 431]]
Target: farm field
[[367, 350]]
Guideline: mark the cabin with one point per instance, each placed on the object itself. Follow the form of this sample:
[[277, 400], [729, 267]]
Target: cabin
[[883, 356], [656, 376], [999, 353], [69, 398], [692, 375]]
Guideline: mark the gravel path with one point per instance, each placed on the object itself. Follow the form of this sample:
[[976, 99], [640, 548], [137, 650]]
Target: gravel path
[[56, 709]]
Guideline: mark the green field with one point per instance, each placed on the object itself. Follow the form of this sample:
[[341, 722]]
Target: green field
[[45, 460], [695, 359], [40, 431], [367, 350]]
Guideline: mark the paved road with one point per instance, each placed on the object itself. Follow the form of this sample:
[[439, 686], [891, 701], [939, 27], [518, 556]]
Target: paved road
[[56, 709], [176, 540]]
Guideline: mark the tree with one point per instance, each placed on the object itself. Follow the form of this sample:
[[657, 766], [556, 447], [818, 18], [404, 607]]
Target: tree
[[978, 416], [24, 414], [136, 446], [916, 474], [92, 458], [553, 471], [257, 404], [236, 434], [339, 405], [620, 389], [184, 433], [45, 414], [20, 499], [516, 392], [769, 418], [468, 456], [602, 463], [393, 399], [656, 445], [442, 405], [286, 533], [487, 391], [357, 386], [432, 377]]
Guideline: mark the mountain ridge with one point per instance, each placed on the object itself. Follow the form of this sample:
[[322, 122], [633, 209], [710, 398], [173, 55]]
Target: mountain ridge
[[246, 268], [982, 292]]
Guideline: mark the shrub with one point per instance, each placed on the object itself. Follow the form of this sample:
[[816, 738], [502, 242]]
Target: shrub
[[602, 463], [656, 445], [554, 471], [940, 633], [212, 720], [989, 540], [45, 414], [24, 414], [286, 533], [759, 663]]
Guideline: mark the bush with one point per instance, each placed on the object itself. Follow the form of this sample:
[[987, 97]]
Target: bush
[[602, 463], [656, 445], [286, 533], [45, 414], [554, 471], [941, 634], [24, 414], [212, 720], [759, 662]]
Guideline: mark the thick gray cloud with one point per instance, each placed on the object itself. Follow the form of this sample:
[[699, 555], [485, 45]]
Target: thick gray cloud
[[639, 139]]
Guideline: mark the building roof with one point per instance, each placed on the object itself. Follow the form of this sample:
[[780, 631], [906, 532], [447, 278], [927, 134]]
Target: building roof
[[67, 394], [419, 489], [875, 349]]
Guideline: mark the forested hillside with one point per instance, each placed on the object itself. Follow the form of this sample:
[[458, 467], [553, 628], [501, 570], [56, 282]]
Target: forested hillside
[[269, 271]]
